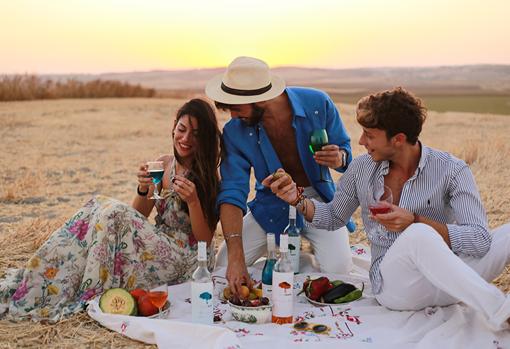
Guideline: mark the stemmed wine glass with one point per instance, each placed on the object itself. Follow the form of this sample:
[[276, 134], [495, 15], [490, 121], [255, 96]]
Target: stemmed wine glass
[[156, 170], [318, 139], [158, 299], [380, 202]]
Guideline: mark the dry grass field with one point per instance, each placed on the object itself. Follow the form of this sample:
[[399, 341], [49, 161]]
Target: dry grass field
[[33, 87], [56, 154]]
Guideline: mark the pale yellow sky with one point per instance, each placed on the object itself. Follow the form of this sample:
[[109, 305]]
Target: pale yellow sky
[[93, 36]]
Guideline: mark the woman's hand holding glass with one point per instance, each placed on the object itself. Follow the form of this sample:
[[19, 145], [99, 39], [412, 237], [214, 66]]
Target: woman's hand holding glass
[[144, 179]]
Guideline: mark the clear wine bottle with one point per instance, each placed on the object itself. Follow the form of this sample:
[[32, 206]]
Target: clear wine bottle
[[202, 289], [283, 285]]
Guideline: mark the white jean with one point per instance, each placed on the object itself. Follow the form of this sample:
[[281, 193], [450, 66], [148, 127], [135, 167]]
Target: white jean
[[331, 248], [419, 270]]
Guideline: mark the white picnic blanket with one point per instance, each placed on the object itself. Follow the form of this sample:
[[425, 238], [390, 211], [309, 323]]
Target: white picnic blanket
[[361, 324]]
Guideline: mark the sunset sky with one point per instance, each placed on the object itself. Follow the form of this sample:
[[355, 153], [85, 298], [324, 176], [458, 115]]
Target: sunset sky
[[94, 36]]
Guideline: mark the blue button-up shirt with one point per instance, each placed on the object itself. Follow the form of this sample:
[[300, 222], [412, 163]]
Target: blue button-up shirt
[[249, 147]]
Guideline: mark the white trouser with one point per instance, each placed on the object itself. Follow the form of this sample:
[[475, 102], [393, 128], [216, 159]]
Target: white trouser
[[331, 248], [419, 270]]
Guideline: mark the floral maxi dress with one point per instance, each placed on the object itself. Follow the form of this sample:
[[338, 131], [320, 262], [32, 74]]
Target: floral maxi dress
[[105, 244]]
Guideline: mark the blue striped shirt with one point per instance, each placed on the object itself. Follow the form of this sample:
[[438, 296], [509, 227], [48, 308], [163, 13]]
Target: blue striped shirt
[[442, 188]]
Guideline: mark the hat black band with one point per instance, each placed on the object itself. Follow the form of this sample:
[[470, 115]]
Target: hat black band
[[234, 91]]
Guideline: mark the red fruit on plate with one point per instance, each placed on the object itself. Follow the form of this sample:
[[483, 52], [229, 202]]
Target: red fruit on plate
[[137, 293], [145, 306]]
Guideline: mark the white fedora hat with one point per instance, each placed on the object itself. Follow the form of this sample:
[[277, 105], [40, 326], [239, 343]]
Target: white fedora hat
[[246, 80]]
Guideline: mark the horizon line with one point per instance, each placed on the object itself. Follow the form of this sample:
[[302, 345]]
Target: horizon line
[[155, 70]]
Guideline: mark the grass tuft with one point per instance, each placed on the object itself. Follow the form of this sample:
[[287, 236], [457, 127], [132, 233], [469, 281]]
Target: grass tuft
[[32, 87]]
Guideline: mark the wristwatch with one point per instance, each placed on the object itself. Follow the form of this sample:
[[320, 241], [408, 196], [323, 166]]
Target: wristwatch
[[344, 157]]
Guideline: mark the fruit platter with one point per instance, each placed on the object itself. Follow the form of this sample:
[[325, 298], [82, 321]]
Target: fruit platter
[[249, 306], [137, 302], [322, 291]]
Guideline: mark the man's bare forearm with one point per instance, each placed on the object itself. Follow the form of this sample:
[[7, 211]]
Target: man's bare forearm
[[231, 218]]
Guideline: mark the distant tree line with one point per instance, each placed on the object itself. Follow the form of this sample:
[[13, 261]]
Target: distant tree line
[[31, 87]]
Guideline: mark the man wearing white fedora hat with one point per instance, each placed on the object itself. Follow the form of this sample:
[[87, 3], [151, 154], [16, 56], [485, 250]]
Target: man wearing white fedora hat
[[270, 129]]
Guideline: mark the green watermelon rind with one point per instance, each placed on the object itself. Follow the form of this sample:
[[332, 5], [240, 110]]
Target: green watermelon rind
[[129, 301]]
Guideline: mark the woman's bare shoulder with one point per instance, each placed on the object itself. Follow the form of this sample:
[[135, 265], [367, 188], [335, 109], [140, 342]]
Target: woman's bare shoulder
[[166, 158]]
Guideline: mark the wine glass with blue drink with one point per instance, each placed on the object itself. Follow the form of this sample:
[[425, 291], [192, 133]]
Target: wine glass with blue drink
[[156, 170], [318, 139]]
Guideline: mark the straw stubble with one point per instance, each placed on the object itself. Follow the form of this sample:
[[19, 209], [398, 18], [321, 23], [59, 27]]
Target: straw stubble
[[63, 152]]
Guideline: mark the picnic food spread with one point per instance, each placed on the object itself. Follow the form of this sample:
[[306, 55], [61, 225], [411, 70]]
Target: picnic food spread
[[138, 302]]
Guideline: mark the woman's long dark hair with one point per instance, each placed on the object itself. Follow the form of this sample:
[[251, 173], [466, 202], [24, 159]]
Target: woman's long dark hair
[[204, 169]]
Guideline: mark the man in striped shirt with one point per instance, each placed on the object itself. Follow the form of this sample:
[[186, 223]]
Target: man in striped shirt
[[433, 247]]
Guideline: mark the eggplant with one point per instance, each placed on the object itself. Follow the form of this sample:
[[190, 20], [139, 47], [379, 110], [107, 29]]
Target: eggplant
[[337, 292], [349, 297]]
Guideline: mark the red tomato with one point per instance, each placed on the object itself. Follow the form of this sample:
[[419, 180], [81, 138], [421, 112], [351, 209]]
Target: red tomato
[[145, 306], [137, 293]]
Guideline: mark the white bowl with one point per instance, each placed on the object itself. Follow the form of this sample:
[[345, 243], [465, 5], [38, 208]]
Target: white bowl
[[252, 315]]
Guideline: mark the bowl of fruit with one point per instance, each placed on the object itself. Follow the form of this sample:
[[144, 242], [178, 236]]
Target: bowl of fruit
[[249, 306]]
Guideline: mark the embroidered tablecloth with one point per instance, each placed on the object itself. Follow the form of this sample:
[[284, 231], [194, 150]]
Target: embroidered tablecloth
[[360, 324]]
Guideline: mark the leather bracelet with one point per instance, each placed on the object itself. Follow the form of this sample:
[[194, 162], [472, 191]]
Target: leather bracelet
[[415, 220], [141, 193], [302, 206], [299, 198]]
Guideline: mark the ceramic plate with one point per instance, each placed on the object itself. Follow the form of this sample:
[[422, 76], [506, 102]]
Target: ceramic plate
[[321, 304]]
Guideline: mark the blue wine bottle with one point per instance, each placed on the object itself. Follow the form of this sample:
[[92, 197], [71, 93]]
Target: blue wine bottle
[[267, 272]]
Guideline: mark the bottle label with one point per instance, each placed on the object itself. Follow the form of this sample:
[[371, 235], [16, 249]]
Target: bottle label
[[267, 291], [294, 252], [283, 294], [202, 302]]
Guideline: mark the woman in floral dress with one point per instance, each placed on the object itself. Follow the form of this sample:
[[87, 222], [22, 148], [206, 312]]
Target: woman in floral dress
[[110, 244]]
